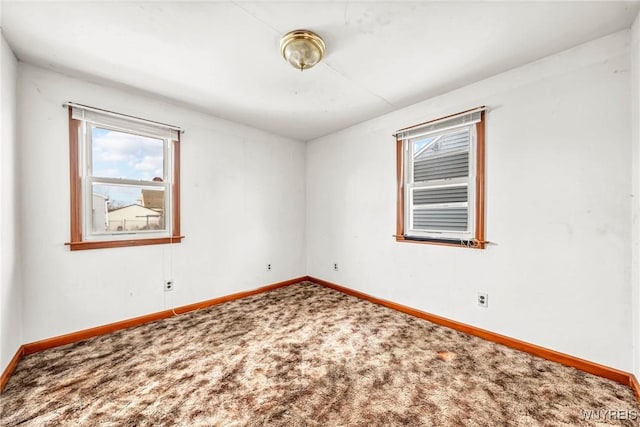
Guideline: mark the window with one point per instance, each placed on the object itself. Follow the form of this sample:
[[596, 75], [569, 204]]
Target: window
[[125, 180], [441, 181]]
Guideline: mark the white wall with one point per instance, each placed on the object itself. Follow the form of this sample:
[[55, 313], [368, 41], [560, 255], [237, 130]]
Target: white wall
[[242, 208], [10, 266], [635, 159], [558, 200]]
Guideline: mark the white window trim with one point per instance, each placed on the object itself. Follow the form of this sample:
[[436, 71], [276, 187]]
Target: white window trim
[[88, 180], [474, 234], [469, 181]]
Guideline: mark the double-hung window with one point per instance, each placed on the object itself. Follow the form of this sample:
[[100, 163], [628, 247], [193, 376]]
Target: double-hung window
[[124, 180], [441, 181]]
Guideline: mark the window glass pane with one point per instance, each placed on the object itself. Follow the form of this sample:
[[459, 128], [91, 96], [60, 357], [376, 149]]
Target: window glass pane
[[124, 155], [436, 145], [449, 219], [127, 208], [430, 168], [440, 195]]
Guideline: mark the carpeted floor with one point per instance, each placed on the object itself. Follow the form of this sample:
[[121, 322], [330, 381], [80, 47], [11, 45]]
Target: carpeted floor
[[303, 355]]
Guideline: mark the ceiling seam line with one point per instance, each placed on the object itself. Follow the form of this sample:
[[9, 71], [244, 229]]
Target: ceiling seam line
[[370, 92], [236, 4], [366, 89]]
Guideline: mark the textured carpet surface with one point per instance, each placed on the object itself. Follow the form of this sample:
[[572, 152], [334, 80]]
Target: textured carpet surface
[[303, 355]]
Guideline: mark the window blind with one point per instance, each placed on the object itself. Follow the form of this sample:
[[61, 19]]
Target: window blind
[[124, 122], [464, 118]]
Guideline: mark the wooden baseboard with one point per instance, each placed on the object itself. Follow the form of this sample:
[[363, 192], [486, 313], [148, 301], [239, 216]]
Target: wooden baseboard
[[545, 353], [48, 343], [6, 374], [633, 383]]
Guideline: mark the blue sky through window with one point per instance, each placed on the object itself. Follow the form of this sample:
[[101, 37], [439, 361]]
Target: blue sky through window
[[123, 155], [421, 143]]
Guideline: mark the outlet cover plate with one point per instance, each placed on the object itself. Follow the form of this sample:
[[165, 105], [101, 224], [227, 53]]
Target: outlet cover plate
[[483, 299]]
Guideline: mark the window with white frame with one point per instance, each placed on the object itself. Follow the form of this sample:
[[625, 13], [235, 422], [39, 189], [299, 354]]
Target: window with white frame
[[124, 180], [441, 180]]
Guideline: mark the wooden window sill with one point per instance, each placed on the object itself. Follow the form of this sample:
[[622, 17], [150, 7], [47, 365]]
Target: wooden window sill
[[103, 244], [478, 245]]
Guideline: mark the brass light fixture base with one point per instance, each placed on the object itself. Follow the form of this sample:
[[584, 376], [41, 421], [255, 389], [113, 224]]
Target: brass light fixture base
[[302, 48]]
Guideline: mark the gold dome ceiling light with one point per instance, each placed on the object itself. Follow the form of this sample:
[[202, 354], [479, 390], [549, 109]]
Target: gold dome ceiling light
[[302, 48]]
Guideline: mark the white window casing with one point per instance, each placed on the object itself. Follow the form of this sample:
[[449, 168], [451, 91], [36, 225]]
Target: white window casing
[[161, 221], [439, 172]]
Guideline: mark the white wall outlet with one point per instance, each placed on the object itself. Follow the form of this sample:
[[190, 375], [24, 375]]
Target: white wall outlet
[[483, 300], [168, 285], [335, 266], [268, 267]]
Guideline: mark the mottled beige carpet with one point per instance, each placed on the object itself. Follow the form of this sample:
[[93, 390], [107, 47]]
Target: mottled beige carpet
[[303, 355]]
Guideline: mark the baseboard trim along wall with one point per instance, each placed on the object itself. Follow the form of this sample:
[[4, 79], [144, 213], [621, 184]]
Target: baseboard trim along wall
[[13, 363], [619, 376], [45, 344], [635, 385], [72, 337]]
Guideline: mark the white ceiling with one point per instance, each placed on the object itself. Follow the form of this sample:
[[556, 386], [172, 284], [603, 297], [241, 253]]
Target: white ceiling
[[223, 57]]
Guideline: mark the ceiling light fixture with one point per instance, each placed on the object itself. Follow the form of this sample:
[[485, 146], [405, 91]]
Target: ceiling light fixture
[[302, 48]]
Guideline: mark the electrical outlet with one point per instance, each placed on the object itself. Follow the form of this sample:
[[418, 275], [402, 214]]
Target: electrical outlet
[[483, 300], [168, 285], [268, 267], [335, 266]]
